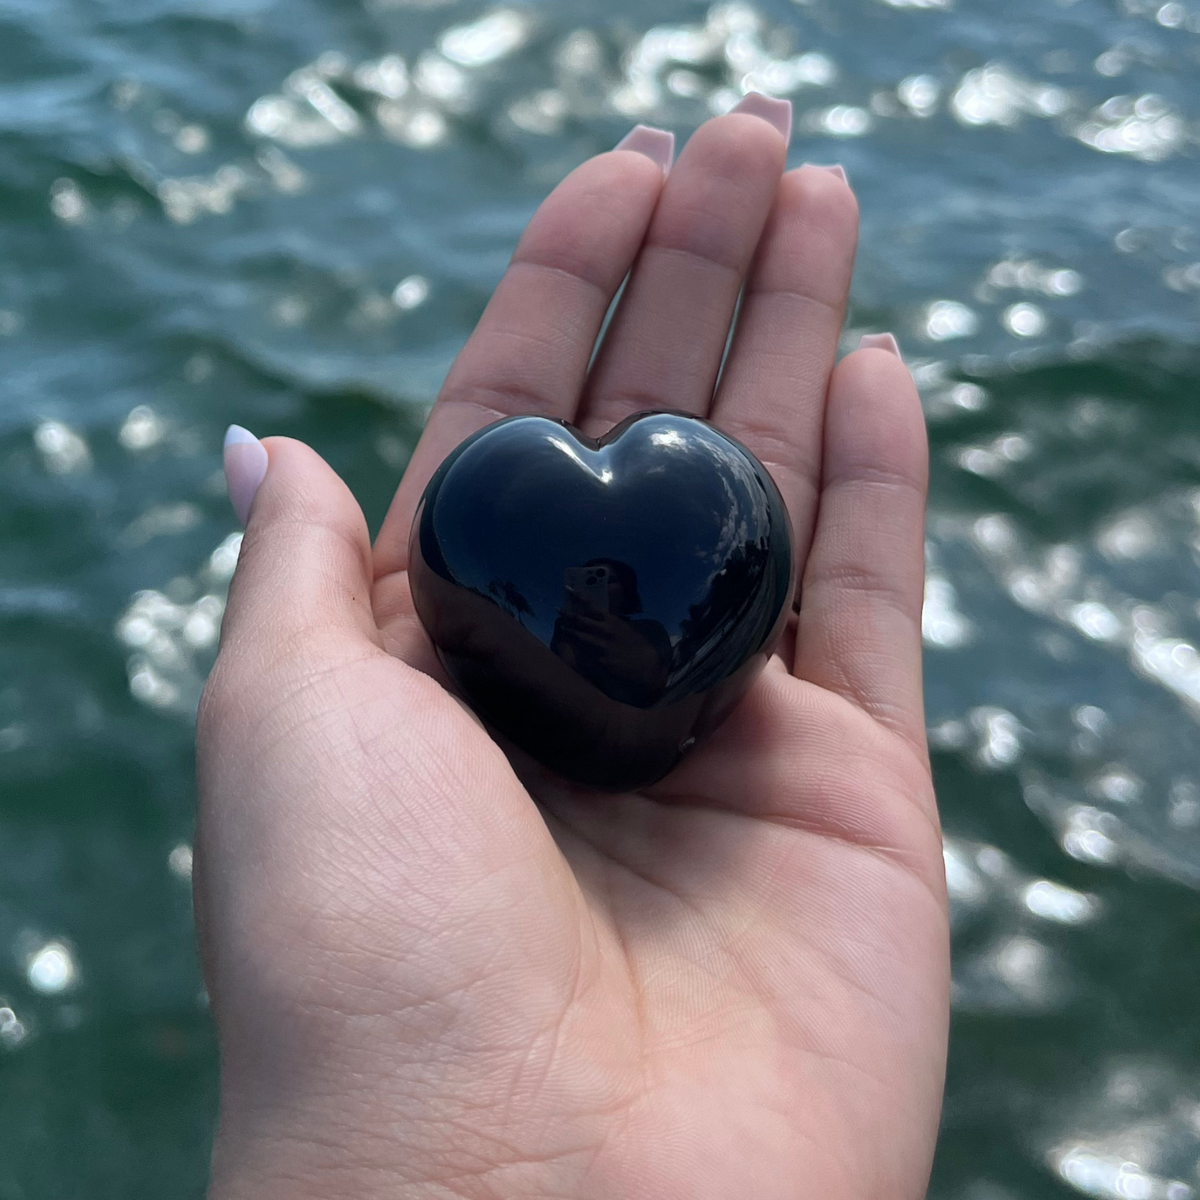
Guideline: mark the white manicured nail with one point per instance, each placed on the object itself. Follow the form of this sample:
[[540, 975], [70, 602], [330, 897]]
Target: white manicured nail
[[245, 468], [833, 168], [880, 341], [658, 145], [774, 112]]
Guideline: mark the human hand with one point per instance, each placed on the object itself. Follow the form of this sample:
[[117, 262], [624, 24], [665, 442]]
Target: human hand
[[437, 973]]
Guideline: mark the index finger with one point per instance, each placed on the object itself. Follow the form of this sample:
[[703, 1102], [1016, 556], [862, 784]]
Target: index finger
[[531, 349]]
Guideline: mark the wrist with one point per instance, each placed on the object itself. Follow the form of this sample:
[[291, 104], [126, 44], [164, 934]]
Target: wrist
[[317, 1156], [248, 1166]]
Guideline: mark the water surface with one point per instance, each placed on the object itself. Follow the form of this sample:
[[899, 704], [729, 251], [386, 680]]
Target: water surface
[[290, 216]]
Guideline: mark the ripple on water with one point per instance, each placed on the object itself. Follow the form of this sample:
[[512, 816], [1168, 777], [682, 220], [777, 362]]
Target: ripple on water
[[338, 233], [171, 643]]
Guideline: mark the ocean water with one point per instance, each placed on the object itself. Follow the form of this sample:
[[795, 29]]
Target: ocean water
[[290, 215]]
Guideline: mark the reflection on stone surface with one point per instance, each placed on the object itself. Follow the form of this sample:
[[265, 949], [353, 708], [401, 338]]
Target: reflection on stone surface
[[601, 636], [602, 604]]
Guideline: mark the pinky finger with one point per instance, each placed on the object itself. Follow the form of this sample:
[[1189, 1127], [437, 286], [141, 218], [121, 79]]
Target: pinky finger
[[859, 632]]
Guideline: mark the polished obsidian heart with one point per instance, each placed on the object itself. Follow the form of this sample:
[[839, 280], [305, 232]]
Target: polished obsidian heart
[[602, 604]]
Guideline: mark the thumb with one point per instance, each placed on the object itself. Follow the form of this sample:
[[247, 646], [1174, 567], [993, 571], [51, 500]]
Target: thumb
[[305, 564]]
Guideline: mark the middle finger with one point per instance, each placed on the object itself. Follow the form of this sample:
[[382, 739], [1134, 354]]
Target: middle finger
[[665, 343]]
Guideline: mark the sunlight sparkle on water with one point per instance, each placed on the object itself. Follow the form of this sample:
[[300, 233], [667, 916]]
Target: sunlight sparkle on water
[[494, 36], [919, 94], [1024, 320], [1031, 276], [12, 1029], [386, 76], [1054, 902], [1131, 536], [63, 450], [947, 319], [172, 641], [1144, 127], [942, 624], [180, 861], [443, 82], [1111, 1177], [68, 203], [51, 969], [411, 292], [141, 429], [996, 95], [1000, 736]]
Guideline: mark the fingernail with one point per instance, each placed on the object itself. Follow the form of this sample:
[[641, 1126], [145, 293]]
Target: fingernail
[[774, 112], [658, 145], [881, 341], [834, 169], [245, 468]]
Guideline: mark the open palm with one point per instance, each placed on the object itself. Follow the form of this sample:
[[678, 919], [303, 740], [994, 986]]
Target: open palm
[[439, 971]]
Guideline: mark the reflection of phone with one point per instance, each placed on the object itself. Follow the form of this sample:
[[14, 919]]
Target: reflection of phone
[[589, 585]]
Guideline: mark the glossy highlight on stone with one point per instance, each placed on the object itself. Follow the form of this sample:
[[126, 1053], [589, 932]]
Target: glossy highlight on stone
[[602, 604]]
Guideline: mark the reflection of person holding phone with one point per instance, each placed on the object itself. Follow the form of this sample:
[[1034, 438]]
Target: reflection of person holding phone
[[625, 656]]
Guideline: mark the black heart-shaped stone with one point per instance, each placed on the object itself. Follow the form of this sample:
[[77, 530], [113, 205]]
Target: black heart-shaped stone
[[602, 604]]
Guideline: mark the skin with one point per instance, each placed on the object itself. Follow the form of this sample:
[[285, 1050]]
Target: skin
[[439, 972]]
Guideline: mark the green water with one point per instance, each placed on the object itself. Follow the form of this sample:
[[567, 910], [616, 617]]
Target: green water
[[206, 208]]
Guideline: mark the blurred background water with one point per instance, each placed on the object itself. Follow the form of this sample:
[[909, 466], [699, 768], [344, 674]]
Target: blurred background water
[[290, 215]]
